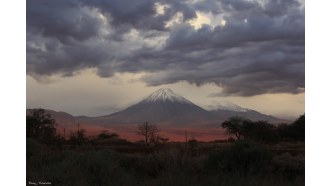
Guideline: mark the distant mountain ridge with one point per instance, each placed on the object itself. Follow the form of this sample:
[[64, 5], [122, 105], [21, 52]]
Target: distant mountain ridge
[[166, 108], [249, 114], [226, 109], [163, 106]]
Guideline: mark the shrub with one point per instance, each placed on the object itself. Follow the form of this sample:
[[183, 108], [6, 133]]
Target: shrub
[[243, 157], [41, 126], [294, 131], [88, 168], [260, 131], [289, 166], [32, 147]]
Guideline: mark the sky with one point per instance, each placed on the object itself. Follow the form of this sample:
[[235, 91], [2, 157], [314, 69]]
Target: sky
[[97, 57]]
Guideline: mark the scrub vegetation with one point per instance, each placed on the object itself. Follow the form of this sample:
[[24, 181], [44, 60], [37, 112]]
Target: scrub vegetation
[[263, 154]]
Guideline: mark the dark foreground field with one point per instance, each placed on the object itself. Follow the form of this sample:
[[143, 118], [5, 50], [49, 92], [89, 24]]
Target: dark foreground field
[[262, 155], [194, 163]]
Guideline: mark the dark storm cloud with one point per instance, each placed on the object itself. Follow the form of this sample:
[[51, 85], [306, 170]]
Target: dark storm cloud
[[259, 49], [140, 14], [252, 69], [64, 20]]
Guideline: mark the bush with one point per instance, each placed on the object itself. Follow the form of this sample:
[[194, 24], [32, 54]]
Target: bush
[[294, 131], [243, 157], [41, 126], [289, 166], [88, 168], [260, 131], [33, 147], [239, 163]]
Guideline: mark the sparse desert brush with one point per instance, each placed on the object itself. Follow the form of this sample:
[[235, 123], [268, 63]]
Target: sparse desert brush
[[237, 163], [243, 157], [87, 168], [289, 166], [32, 147]]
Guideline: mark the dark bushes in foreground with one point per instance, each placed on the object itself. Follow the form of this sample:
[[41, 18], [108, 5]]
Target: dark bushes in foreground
[[265, 132], [243, 158], [241, 163], [293, 132], [89, 161]]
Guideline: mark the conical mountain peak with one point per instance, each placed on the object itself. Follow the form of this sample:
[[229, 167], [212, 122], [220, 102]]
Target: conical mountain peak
[[166, 94], [164, 106]]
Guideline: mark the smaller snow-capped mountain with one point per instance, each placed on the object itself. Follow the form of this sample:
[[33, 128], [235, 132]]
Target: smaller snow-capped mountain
[[226, 109], [166, 107], [229, 106]]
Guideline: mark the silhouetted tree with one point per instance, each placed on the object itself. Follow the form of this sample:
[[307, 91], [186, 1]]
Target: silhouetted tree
[[282, 131], [81, 136], [72, 138], [235, 126], [77, 138], [293, 131], [148, 131], [40, 126], [261, 131], [298, 128]]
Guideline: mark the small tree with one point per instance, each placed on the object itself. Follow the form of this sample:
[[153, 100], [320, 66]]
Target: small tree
[[294, 131], [77, 138], [235, 126], [261, 131], [148, 131], [81, 136], [298, 128], [40, 125]]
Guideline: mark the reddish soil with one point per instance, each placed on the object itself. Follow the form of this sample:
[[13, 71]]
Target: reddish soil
[[129, 132]]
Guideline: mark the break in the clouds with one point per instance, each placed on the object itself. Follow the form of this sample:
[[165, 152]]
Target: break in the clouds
[[246, 47]]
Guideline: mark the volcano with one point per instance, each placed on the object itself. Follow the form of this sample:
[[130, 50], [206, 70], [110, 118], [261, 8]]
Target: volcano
[[171, 112], [162, 107]]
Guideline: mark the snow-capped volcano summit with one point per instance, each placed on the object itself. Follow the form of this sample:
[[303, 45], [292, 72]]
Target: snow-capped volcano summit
[[167, 108], [166, 94], [161, 106]]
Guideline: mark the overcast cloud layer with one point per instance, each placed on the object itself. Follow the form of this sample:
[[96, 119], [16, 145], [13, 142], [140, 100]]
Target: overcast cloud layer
[[246, 47]]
